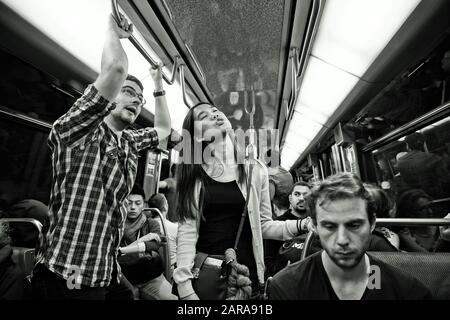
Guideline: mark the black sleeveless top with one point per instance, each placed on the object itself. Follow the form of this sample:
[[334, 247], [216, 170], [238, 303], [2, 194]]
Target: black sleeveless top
[[222, 210]]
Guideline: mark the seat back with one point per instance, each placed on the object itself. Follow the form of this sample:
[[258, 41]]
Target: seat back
[[164, 249], [25, 257], [432, 269]]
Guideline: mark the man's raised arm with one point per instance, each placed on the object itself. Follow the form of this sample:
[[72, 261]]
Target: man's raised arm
[[162, 116], [114, 67]]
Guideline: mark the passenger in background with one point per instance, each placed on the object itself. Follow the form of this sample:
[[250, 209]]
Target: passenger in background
[[415, 203], [211, 193], [293, 248], [382, 239], [140, 262], [160, 202], [169, 187], [95, 160], [280, 184], [423, 170], [344, 217], [13, 282]]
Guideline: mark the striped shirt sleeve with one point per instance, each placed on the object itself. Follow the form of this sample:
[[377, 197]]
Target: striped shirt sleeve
[[84, 116], [145, 138]]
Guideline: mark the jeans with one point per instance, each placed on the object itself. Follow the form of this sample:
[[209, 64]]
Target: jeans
[[156, 289], [46, 285]]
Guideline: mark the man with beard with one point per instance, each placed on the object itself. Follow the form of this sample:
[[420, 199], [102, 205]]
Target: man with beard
[[297, 211], [343, 216], [95, 161]]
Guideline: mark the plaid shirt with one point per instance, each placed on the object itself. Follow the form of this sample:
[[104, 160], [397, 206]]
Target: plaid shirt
[[92, 175]]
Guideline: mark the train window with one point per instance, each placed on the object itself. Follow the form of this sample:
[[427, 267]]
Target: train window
[[25, 166], [31, 92], [422, 88], [238, 45], [418, 162]]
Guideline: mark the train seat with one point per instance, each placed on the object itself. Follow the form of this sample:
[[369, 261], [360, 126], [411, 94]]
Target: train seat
[[432, 269]]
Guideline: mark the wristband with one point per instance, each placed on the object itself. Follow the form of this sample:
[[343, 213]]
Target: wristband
[[159, 93], [299, 228]]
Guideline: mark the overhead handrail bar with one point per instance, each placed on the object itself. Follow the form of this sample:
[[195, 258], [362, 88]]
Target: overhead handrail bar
[[286, 108], [251, 149], [183, 85], [412, 222], [294, 72], [166, 7], [117, 17], [191, 53]]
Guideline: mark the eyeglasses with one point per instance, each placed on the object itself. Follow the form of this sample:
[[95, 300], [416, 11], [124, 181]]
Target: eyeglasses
[[129, 92]]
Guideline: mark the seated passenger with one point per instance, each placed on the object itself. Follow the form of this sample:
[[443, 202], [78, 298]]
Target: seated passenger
[[159, 201], [415, 203], [382, 238], [293, 248], [423, 170], [343, 216], [13, 282], [139, 260]]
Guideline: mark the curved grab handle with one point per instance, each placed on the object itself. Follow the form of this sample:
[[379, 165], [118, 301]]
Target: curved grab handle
[[34, 222], [167, 267], [170, 80], [183, 86], [307, 245]]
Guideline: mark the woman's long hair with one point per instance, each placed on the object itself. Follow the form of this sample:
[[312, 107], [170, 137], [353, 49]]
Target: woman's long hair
[[188, 173]]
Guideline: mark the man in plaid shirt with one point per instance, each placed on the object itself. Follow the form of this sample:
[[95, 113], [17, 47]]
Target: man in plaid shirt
[[95, 161]]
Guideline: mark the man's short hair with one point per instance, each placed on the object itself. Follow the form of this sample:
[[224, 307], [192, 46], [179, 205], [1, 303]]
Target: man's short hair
[[415, 141], [340, 186], [136, 80], [300, 183], [157, 201], [137, 189]]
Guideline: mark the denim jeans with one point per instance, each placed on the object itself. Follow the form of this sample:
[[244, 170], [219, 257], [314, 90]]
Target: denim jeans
[[46, 285]]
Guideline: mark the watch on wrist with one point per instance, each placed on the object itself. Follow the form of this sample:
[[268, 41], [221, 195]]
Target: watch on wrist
[[159, 93]]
